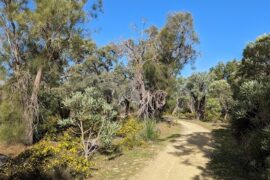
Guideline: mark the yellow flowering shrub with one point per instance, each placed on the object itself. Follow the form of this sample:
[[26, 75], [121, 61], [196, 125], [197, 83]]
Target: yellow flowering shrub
[[131, 126], [49, 159], [130, 131]]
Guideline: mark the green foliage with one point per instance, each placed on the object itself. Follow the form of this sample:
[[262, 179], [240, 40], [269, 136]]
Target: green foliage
[[49, 127], [150, 131], [41, 39], [218, 71], [228, 160], [155, 76], [179, 30], [130, 126], [266, 149], [107, 135], [157, 58], [50, 159], [251, 111], [250, 122], [12, 129], [89, 107], [92, 116], [134, 132], [9, 112], [228, 72], [255, 62], [11, 133], [221, 90], [196, 88], [212, 109]]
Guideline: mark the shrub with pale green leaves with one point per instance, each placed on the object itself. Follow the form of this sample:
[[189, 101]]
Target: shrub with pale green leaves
[[92, 118]]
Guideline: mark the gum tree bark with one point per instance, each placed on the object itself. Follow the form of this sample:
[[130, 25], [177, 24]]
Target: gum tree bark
[[31, 112]]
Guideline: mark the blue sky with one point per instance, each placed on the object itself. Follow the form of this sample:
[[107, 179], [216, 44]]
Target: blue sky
[[224, 26]]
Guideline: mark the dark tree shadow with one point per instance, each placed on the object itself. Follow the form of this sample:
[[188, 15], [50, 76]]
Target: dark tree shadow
[[201, 141], [227, 162], [170, 138]]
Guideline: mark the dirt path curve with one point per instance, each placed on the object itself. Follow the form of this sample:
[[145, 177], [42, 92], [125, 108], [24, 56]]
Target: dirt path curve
[[184, 158]]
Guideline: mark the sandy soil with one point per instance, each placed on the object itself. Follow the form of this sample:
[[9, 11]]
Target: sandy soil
[[184, 158]]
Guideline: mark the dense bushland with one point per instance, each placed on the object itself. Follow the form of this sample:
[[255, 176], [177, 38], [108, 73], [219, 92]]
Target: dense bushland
[[68, 99], [251, 111], [236, 92]]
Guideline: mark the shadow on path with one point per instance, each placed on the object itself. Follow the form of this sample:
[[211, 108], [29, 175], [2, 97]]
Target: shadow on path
[[225, 160], [192, 143]]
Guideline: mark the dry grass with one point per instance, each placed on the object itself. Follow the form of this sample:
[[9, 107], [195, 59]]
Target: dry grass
[[12, 150]]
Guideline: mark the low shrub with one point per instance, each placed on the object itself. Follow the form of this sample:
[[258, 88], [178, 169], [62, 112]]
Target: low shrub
[[50, 160], [92, 118], [108, 134], [130, 126], [130, 132], [131, 141], [49, 127]]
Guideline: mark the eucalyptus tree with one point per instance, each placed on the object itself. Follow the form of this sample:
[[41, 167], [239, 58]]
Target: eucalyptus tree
[[256, 61], [197, 87], [102, 69], [39, 38], [228, 72], [221, 90], [184, 102], [156, 59], [93, 69]]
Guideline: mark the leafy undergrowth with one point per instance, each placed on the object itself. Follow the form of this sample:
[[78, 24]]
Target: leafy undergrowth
[[125, 164]]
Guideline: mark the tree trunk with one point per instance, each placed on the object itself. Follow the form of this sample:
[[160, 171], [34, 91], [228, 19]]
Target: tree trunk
[[31, 112], [127, 106], [176, 108], [225, 116], [36, 85], [200, 108]]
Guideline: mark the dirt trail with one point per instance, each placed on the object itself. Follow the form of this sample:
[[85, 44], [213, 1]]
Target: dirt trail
[[184, 158]]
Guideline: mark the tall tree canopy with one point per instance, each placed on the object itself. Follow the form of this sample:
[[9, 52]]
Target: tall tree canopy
[[157, 57], [39, 39]]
